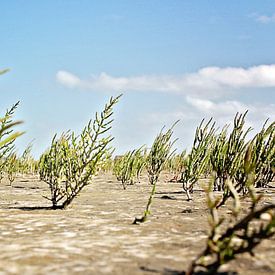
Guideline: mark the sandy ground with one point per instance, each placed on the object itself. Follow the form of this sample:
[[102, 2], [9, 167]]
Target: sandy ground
[[95, 235]]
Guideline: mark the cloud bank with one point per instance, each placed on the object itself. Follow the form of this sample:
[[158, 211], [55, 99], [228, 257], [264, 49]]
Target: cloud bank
[[222, 111], [225, 110], [206, 80]]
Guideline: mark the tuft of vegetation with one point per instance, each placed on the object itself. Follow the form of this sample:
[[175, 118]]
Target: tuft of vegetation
[[127, 168], [263, 155], [159, 153], [228, 151], [27, 164], [71, 162], [232, 161], [7, 134], [176, 165], [198, 159]]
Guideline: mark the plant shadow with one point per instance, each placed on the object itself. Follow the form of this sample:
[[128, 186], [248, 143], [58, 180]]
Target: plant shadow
[[168, 271], [170, 193], [24, 187], [31, 208]]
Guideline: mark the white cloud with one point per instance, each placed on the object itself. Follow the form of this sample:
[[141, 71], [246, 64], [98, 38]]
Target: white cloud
[[265, 18], [68, 79], [223, 112], [222, 108], [208, 80]]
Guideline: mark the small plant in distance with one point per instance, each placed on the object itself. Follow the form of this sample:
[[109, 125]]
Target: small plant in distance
[[12, 167], [159, 153], [68, 166], [27, 164], [233, 235], [127, 168], [176, 165]]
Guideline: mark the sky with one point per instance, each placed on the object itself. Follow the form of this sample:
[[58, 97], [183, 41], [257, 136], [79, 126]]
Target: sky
[[175, 59]]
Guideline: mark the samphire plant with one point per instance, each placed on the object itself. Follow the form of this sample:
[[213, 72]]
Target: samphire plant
[[68, 166], [263, 155], [228, 151], [198, 159], [176, 166], [7, 136], [127, 168], [159, 153], [232, 235], [27, 164], [107, 165], [12, 167]]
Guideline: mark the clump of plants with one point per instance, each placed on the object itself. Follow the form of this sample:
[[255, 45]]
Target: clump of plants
[[127, 168], [11, 167], [176, 166], [27, 165], [198, 159], [239, 233], [263, 155], [72, 160], [228, 151], [107, 165], [159, 153], [230, 162]]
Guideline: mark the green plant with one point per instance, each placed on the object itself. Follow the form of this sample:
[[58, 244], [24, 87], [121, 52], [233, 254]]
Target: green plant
[[228, 151], [7, 134], [233, 235], [140, 162], [27, 164], [263, 155], [122, 168], [198, 159], [176, 165], [127, 168], [107, 165], [11, 167], [68, 166], [157, 156], [261, 152]]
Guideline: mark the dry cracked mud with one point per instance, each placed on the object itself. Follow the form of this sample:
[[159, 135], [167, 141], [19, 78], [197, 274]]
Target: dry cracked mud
[[95, 235]]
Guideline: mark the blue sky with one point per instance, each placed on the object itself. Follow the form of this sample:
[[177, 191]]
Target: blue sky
[[172, 60]]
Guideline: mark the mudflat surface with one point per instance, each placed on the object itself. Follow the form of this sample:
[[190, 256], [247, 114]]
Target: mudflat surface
[[95, 235]]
